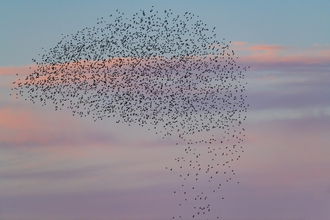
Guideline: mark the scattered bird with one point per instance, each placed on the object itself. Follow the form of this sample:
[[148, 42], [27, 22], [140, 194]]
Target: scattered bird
[[159, 70]]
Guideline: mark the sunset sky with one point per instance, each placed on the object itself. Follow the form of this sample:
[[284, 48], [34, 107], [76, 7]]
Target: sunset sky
[[56, 166]]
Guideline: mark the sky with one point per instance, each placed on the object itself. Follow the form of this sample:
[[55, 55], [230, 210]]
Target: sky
[[57, 166]]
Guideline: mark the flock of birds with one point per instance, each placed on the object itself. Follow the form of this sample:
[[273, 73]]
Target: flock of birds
[[162, 71]]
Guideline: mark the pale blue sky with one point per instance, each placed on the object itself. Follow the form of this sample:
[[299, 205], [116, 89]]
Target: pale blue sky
[[27, 26]]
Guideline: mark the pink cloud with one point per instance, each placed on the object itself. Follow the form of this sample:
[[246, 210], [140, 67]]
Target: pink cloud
[[23, 125], [266, 47], [258, 56], [238, 43], [21, 70], [262, 56]]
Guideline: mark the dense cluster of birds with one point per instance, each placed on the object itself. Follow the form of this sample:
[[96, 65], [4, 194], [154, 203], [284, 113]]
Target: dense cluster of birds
[[159, 70]]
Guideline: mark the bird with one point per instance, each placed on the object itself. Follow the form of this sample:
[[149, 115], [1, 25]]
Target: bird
[[160, 70]]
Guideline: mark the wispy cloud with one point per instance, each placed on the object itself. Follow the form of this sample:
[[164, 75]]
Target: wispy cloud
[[265, 57], [285, 81], [258, 56], [24, 125], [21, 70]]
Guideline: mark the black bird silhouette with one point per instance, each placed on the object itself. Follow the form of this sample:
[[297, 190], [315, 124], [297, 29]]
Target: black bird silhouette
[[158, 70]]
